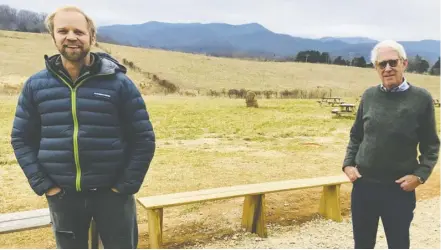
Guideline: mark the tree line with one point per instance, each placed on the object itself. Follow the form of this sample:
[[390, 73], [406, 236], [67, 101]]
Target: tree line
[[29, 21], [417, 64], [21, 20]]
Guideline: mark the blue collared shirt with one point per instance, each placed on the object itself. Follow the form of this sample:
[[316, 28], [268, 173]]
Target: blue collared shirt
[[402, 87]]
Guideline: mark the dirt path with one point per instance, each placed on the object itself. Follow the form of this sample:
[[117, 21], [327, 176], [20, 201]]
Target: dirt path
[[320, 233]]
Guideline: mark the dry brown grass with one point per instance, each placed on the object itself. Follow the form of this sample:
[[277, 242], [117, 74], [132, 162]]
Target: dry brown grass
[[23, 55], [219, 143], [202, 72]]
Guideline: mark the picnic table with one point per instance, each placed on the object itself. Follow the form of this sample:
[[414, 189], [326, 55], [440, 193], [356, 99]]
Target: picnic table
[[345, 108], [331, 100]]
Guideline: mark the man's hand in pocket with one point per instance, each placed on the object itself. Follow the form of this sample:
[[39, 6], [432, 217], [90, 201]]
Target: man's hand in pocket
[[352, 173], [53, 191]]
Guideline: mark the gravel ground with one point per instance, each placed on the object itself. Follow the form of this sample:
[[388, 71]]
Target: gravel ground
[[320, 233]]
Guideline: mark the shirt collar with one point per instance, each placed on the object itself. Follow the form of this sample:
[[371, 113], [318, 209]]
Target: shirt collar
[[402, 87], [92, 67]]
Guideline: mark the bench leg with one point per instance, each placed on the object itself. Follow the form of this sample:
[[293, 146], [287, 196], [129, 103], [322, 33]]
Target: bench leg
[[253, 218], [330, 203], [155, 227], [94, 238]]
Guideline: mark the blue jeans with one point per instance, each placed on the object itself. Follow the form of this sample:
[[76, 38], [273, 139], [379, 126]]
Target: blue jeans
[[372, 200], [114, 214]]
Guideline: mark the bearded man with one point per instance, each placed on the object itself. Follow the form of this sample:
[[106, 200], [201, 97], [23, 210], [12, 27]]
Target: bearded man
[[83, 137]]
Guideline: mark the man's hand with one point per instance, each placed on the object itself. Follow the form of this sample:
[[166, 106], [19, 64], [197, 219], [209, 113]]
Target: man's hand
[[352, 173], [408, 182], [53, 191]]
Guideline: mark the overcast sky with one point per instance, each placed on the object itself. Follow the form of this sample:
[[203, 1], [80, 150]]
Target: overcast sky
[[377, 19]]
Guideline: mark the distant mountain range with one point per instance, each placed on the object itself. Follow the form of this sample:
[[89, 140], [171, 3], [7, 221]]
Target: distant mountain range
[[349, 40], [251, 40]]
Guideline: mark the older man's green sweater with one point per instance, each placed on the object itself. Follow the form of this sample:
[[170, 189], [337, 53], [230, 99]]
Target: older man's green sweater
[[388, 128]]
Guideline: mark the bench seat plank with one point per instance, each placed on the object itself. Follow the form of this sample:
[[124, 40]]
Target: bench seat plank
[[175, 199], [20, 221]]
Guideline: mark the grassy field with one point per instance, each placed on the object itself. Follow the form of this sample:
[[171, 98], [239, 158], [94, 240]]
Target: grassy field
[[208, 142], [201, 72], [212, 142], [23, 55], [198, 72]]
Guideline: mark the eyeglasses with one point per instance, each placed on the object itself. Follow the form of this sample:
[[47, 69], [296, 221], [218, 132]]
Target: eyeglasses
[[392, 63]]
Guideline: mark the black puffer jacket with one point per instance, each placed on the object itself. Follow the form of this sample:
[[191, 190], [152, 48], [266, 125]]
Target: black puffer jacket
[[94, 133]]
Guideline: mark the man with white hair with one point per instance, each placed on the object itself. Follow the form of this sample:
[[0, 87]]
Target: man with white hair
[[394, 119]]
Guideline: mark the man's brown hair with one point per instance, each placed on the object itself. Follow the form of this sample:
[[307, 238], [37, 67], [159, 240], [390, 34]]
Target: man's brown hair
[[49, 22]]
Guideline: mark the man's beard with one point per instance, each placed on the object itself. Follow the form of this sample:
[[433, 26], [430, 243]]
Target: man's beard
[[76, 55]]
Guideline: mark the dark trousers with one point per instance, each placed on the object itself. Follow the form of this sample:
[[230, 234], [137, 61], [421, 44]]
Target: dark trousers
[[371, 201], [114, 214]]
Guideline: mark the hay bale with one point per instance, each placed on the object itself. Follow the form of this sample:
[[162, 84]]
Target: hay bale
[[251, 100]]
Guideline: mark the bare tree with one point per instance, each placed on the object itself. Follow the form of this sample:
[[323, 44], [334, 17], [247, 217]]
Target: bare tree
[[22, 20], [8, 18]]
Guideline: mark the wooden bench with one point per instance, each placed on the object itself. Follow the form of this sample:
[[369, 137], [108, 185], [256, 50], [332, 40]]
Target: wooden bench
[[40, 218], [253, 218]]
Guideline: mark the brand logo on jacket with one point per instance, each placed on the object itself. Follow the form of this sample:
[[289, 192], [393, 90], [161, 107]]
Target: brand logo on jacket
[[101, 94]]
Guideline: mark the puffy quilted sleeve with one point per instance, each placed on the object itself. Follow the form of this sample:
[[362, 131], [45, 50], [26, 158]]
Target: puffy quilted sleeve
[[25, 140], [141, 138]]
